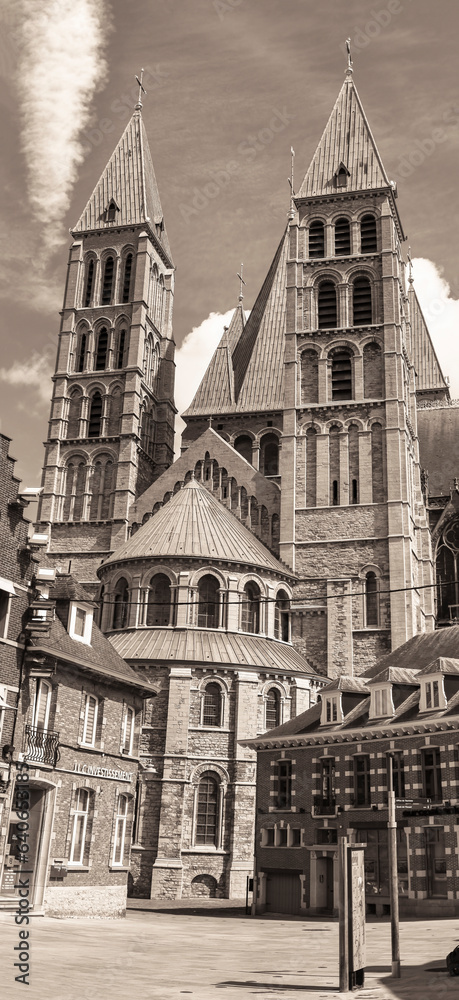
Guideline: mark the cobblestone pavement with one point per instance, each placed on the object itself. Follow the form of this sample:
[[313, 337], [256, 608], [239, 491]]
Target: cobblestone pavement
[[208, 951]]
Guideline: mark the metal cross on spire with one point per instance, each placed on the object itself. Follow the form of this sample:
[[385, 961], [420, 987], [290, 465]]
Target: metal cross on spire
[[142, 90], [350, 67], [242, 282], [290, 180], [410, 266]]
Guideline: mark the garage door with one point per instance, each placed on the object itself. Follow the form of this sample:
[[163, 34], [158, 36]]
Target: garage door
[[283, 892]]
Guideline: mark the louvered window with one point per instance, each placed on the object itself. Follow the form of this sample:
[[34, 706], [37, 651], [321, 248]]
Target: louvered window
[[342, 237], [327, 306], [90, 720], [108, 281], [341, 375], [121, 349], [127, 279], [368, 234], [316, 239], [102, 344], [361, 300], [81, 353], [95, 415], [89, 284]]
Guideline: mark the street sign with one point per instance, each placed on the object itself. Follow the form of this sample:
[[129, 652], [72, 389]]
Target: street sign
[[404, 803]]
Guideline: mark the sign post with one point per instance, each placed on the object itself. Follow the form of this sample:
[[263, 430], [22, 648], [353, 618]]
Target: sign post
[[351, 916], [393, 876], [343, 917]]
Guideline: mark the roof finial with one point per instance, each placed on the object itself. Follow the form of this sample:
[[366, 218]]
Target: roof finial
[[291, 214], [142, 90], [410, 266], [242, 282], [350, 67]]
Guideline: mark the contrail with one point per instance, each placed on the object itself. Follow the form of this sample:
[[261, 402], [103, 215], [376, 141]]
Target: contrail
[[60, 62]]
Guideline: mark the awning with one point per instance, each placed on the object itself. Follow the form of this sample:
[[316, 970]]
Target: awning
[[7, 586]]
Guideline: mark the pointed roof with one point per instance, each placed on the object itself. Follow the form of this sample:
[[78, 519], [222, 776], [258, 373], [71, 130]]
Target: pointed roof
[[246, 371], [195, 524], [347, 142], [128, 180], [428, 371]]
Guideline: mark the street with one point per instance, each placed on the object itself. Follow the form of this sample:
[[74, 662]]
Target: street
[[207, 949]]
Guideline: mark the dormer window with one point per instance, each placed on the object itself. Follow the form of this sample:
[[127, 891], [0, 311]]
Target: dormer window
[[80, 623], [341, 176], [331, 709], [432, 694], [381, 705], [110, 213]]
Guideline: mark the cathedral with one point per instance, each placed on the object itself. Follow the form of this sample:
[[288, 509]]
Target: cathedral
[[309, 526]]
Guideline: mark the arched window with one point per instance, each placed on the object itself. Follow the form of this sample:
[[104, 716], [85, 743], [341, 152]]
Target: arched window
[[120, 348], [334, 459], [207, 810], [269, 455], [327, 306], [368, 240], [317, 239], [159, 601], [120, 604], [89, 283], [208, 601], [81, 827], [74, 487], [341, 375], [101, 489], [377, 463], [147, 430], [273, 705], [95, 415], [107, 283], [250, 616], [81, 353], [311, 467], [127, 278], [282, 616], [342, 237], [212, 705], [372, 371], [110, 214], [74, 414], [371, 600], [361, 302], [243, 444], [101, 353], [353, 437], [309, 377]]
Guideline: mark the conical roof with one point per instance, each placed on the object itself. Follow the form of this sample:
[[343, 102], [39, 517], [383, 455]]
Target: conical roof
[[195, 524], [347, 140], [129, 181]]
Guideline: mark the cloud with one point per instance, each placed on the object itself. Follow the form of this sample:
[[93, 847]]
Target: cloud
[[35, 372], [441, 312], [192, 359], [60, 46]]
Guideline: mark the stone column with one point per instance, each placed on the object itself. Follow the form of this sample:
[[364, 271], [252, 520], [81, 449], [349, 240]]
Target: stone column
[[244, 786]]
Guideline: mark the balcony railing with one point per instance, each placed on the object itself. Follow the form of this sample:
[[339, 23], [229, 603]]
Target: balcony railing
[[41, 745]]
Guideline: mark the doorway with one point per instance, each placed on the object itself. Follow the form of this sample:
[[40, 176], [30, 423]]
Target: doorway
[[324, 889]]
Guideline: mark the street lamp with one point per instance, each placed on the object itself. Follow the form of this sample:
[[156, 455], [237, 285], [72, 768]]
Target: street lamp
[[393, 874]]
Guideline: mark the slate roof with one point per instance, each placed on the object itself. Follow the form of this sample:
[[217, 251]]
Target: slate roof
[[428, 370], [420, 651], [208, 646], [347, 139], [442, 665], [438, 429], [129, 179], [194, 524], [246, 371], [100, 657]]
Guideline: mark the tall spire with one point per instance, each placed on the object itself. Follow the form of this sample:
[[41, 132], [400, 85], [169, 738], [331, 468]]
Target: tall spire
[[347, 145]]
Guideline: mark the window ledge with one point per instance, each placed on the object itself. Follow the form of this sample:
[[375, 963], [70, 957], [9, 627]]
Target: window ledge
[[118, 868], [74, 867], [203, 849]]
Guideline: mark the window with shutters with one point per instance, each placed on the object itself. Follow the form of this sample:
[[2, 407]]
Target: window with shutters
[[107, 281], [341, 375], [327, 307], [361, 302], [342, 237], [317, 239], [368, 239], [91, 709]]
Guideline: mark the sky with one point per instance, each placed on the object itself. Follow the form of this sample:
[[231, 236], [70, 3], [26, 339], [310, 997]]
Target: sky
[[218, 74]]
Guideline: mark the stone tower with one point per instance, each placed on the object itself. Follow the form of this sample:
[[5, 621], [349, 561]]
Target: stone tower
[[112, 414], [317, 389]]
